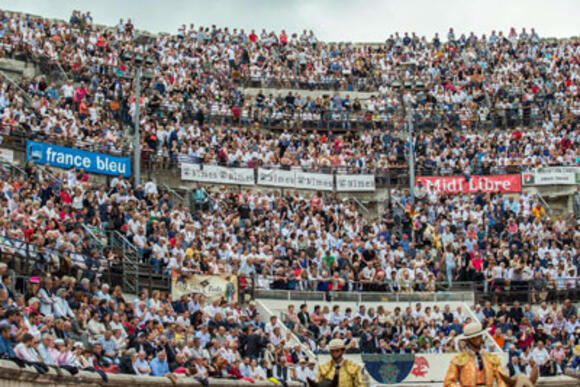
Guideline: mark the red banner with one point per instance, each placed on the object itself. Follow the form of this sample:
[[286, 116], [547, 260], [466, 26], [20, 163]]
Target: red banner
[[459, 185]]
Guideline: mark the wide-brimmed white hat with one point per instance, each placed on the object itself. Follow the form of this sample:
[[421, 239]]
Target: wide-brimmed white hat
[[336, 344], [471, 330]]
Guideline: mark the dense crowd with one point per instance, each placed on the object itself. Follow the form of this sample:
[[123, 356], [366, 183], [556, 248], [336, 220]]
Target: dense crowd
[[544, 336], [196, 111], [292, 241], [64, 324], [65, 316], [379, 330]]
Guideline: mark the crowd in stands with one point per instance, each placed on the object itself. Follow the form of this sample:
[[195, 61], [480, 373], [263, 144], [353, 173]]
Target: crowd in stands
[[545, 335], [196, 111], [292, 241], [67, 317], [379, 330], [65, 324]]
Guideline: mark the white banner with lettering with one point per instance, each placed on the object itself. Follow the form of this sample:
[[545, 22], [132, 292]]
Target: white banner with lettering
[[276, 177], [217, 174], [315, 181], [352, 183], [552, 176], [296, 179]]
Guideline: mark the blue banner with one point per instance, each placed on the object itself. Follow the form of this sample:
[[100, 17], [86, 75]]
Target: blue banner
[[61, 157]]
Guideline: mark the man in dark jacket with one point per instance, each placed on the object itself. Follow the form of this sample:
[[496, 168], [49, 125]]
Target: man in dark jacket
[[127, 362], [255, 343]]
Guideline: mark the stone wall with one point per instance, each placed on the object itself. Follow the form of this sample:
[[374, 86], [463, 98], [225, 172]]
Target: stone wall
[[13, 376]]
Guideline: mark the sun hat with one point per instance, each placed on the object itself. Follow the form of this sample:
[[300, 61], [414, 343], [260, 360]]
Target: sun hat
[[336, 344], [471, 330]]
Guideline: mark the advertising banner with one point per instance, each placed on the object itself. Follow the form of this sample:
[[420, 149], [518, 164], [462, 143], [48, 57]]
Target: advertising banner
[[296, 179], [213, 287], [62, 157], [355, 183], [276, 177], [315, 181], [552, 176], [217, 174], [460, 185]]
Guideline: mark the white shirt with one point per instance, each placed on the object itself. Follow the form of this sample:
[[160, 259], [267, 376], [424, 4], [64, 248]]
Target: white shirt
[[540, 356]]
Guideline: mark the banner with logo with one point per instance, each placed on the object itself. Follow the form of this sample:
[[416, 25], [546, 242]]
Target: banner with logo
[[213, 287], [217, 174], [7, 155], [355, 183], [276, 177], [296, 179], [461, 185], [552, 176], [62, 157]]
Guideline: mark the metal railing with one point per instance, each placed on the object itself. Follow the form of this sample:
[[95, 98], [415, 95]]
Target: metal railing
[[130, 261], [175, 196]]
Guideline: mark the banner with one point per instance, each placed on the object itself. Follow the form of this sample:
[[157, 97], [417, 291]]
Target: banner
[[296, 179], [7, 155], [216, 174], [213, 287], [459, 184], [276, 177], [315, 181], [417, 369], [61, 157], [352, 183], [552, 176]]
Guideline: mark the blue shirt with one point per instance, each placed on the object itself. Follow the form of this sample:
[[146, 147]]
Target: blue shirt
[[159, 368], [6, 348]]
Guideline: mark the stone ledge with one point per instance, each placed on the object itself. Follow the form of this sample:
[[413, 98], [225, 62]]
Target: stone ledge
[[13, 376]]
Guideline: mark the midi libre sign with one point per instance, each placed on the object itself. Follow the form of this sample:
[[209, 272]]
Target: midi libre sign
[[62, 157], [462, 185]]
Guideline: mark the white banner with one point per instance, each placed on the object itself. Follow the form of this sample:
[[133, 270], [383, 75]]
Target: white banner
[[7, 155], [315, 181], [352, 183], [276, 177], [217, 174], [296, 179], [550, 178]]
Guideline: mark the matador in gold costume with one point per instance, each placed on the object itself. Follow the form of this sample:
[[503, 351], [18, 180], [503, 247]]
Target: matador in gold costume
[[339, 372], [478, 368]]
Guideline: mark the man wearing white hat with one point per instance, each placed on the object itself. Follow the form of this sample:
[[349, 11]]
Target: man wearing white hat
[[339, 371], [476, 367]]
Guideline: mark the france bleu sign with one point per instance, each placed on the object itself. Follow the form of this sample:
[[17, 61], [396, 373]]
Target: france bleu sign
[[91, 162]]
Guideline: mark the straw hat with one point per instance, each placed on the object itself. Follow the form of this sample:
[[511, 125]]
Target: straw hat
[[336, 344], [471, 330]]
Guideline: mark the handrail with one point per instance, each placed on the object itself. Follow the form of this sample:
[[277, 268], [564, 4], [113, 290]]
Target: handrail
[[9, 165], [93, 237], [360, 204], [174, 193], [14, 84]]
